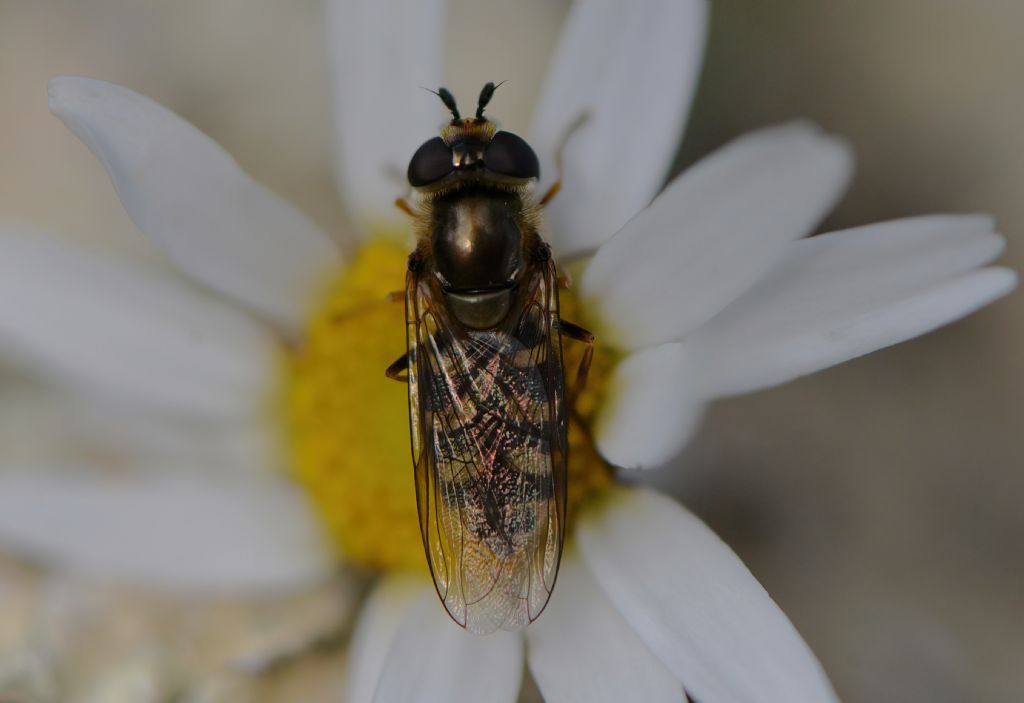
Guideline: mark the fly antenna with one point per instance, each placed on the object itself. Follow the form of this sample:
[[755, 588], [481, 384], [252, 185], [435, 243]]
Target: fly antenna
[[485, 97], [448, 99]]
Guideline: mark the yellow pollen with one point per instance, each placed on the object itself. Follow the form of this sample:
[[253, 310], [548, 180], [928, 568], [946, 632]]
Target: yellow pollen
[[348, 424]]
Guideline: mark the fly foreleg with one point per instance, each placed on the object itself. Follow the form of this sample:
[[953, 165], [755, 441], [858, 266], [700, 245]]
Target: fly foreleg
[[403, 205]]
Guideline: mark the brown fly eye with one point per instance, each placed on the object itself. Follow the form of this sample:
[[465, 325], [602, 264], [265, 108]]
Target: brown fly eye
[[431, 162], [510, 155]]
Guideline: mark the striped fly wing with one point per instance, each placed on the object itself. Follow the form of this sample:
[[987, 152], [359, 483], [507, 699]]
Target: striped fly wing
[[489, 447]]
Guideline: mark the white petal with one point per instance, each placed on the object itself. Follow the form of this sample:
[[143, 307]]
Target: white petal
[[632, 71], [581, 649], [26, 674], [433, 659], [172, 532], [110, 327], [651, 409], [132, 438], [22, 412], [695, 604], [845, 294], [190, 197], [123, 436], [375, 632], [382, 54], [265, 633], [713, 232]]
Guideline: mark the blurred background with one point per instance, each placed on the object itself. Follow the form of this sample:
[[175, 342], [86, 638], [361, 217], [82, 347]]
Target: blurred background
[[880, 503]]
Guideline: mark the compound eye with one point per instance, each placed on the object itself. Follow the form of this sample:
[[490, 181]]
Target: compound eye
[[431, 162], [510, 155]]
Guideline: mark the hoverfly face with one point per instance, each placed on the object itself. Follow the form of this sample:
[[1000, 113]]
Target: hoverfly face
[[473, 147], [470, 146], [476, 245]]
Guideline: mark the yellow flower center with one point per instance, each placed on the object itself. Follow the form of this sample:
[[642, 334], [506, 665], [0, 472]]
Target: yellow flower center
[[348, 424]]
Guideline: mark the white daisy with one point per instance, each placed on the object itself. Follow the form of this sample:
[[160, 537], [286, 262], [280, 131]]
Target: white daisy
[[708, 291]]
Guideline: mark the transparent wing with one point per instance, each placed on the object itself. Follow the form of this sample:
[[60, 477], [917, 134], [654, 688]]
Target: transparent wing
[[489, 447]]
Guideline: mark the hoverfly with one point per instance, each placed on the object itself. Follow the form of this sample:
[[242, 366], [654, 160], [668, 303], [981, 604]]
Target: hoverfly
[[487, 405]]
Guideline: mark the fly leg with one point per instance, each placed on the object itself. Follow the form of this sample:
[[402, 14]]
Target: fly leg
[[552, 191], [399, 369], [403, 205], [559, 152], [573, 331]]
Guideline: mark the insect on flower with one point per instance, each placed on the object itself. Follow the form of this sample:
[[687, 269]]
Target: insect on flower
[[487, 402]]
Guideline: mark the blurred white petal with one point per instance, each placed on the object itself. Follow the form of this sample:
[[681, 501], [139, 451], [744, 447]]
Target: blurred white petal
[[381, 55], [651, 408], [434, 660], [27, 666], [713, 233], [27, 675], [177, 533], [632, 71], [381, 615], [249, 445], [191, 198], [140, 675], [22, 412], [259, 634], [109, 645], [121, 436], [695, 604], [581, 649], [845, 294], [111, 327]]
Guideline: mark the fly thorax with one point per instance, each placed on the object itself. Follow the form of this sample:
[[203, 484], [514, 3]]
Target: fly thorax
[[477, 245]]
